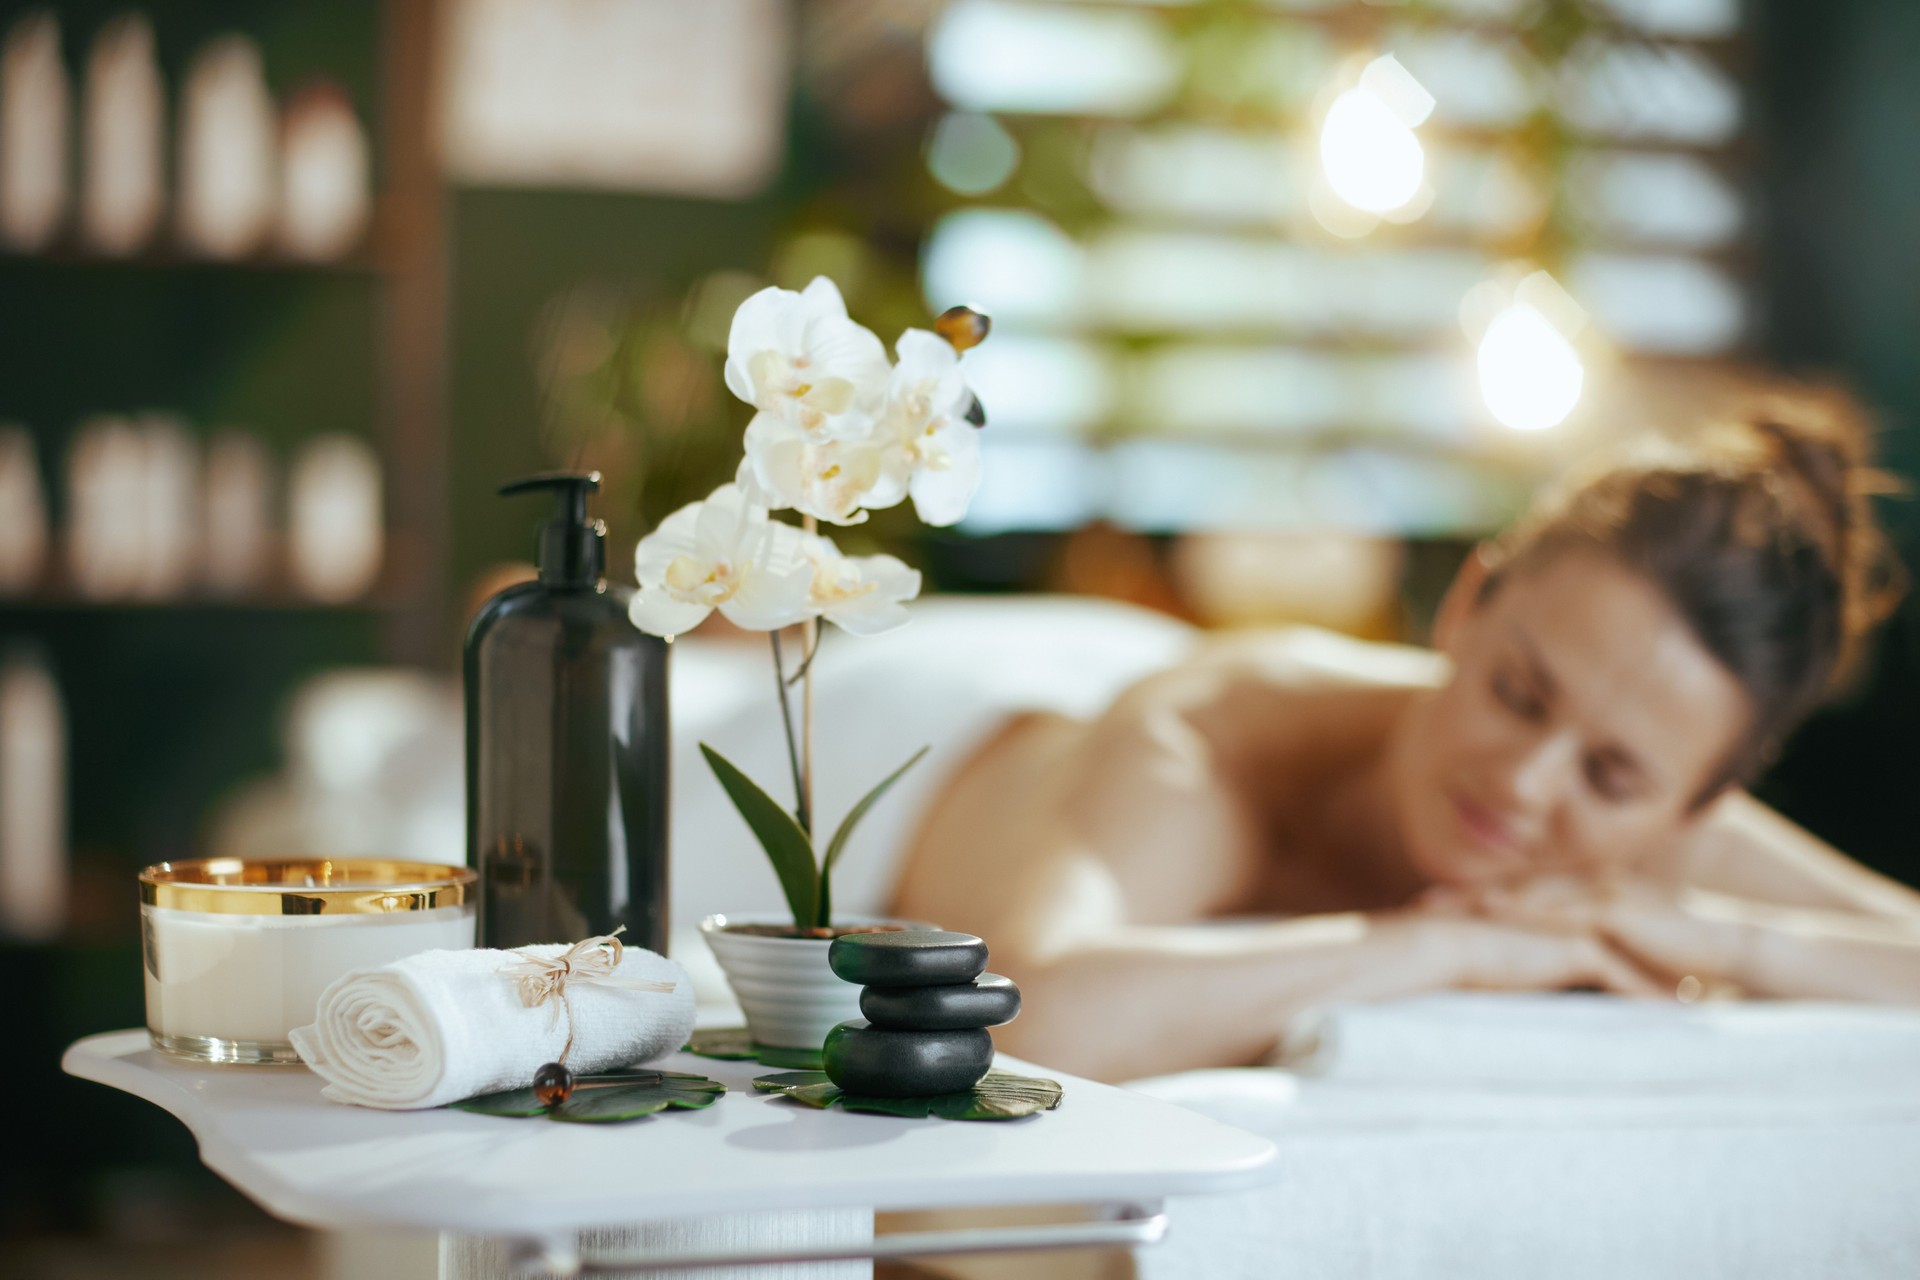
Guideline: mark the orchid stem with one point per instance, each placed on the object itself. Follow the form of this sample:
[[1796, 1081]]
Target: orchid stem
[[812, 633], [806, 663], [802, 809]]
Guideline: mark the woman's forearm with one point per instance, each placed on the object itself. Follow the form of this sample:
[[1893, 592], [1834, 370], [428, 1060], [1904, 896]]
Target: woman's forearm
[[1139, 1001], [1770, 950], [1146, 1000]]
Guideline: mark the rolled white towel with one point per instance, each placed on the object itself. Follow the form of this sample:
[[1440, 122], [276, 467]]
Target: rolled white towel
[[1480, 1039], [445, 1025]]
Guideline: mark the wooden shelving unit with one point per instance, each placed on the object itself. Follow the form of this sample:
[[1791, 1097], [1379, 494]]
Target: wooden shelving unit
[[173, 703]]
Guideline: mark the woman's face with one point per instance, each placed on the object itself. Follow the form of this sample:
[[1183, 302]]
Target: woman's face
[[1581, 724]]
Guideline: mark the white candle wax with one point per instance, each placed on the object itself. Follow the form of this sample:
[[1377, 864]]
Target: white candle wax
[[253, 978]]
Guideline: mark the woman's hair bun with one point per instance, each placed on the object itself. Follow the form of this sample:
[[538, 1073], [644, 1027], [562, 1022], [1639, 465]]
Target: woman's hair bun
[[1815, 445]]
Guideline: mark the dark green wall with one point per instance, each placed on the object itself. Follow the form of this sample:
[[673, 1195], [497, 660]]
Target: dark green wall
[[1837, 103]]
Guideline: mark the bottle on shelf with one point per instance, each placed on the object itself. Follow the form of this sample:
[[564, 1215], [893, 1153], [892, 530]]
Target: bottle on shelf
[[33, 799], [566, 709], [23, 514], [335, 536], [229, 179], [124, 138], [326, 175], [238, 539], [106, 500], [36, 109]]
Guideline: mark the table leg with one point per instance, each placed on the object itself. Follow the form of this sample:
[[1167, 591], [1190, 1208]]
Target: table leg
[[729, 1235]]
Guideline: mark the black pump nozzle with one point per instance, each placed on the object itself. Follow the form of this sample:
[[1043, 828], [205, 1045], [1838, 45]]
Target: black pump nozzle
[[573, 549]]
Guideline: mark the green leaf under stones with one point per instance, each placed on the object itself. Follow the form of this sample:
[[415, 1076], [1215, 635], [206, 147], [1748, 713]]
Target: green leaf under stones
[[1000, 1096], [733, 1044]]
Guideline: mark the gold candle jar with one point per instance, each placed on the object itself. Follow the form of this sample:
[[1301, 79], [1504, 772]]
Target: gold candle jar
[[238, 950]]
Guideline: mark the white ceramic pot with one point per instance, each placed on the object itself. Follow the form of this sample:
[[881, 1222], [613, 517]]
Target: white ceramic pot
[[790, 996]]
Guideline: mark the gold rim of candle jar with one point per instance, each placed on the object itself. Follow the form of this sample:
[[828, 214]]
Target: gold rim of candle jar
[[304, 886]]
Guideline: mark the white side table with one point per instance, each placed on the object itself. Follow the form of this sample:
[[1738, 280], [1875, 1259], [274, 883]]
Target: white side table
[[755, 1183]]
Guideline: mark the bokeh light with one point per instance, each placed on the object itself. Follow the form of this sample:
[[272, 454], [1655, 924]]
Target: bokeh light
[[1530, 375], [1368, 150], [971, 154]]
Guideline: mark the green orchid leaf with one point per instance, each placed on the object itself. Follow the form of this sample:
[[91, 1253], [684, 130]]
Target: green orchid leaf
[[1000, 1096], [513, 1102], [859, 811], [611, 1104], [786, 844]]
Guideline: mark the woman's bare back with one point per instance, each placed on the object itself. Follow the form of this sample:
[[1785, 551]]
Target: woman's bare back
[[1197, 794]]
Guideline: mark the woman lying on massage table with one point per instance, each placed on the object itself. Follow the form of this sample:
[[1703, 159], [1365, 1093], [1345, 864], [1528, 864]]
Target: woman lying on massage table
[[1552, 799]]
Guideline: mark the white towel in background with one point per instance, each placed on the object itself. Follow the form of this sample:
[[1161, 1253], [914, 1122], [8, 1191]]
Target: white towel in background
[[1511, 1136], [445, 1025], [1562, 1041]]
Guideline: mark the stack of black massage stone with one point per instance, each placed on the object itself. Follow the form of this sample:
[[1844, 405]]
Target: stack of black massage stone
[[928, 1004]]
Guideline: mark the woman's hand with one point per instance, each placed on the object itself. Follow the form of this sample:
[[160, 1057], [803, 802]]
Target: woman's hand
[[1480, 953], [1652, 926]]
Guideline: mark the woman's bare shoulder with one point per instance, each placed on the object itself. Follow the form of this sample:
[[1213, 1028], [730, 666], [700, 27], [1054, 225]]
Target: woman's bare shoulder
[[1281, 661]]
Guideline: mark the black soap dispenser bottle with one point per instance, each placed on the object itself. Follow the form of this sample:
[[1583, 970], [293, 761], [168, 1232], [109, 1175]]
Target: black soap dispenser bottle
[[567, 746]]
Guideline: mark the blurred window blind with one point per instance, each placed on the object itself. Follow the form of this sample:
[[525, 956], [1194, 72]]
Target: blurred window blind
[[1194, 330]]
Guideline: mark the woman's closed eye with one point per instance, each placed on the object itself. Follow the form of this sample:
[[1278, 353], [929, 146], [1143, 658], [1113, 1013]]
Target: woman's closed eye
[[1611, 778], [1515, 695]]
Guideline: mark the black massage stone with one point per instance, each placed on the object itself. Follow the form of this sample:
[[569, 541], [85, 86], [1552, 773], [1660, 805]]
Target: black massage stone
[[905, 1064], [908, 958], [987, 1001]]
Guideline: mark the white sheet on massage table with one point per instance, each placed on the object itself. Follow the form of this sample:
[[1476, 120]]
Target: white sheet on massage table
[[1814, 1177]]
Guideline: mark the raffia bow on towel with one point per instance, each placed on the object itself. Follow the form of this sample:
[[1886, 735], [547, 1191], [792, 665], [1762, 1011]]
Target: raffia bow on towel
[[545, 979]]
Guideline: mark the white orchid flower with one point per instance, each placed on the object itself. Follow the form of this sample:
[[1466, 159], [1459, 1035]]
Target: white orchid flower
[[726, 554], [924, 422], [836, 480], [862, 595], [798, 356]]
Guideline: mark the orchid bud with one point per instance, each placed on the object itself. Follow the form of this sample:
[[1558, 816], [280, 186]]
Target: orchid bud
[[963, 327]]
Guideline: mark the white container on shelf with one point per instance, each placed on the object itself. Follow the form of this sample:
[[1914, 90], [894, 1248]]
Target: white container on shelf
[[123, 140], [36, 110], [23, 513], [237, 540], [326, 182], [336, 532], [105, 508], [229, 168], [170, 516], [33, 801]]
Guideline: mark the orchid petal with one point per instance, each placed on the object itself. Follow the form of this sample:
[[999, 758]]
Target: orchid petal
[[768, 600], [941, 494], [822, 297], [727, 526], [674, 537], [658, 614], [929, 358]]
